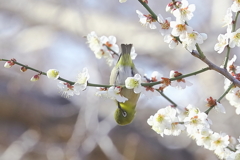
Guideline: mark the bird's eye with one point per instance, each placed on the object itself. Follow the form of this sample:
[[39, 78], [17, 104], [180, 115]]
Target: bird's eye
[[124, 113]]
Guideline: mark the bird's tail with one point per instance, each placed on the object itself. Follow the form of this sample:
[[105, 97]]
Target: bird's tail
[[125, 58], [126, 48]]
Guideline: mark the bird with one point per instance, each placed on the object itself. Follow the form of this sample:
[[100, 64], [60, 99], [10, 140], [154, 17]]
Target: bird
[[123, 69]]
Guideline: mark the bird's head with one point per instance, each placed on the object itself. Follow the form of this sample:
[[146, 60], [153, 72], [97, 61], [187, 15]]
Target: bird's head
[[124, 116]]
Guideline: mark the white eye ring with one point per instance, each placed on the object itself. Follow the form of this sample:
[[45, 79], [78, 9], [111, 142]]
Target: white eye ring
[[124, 113]]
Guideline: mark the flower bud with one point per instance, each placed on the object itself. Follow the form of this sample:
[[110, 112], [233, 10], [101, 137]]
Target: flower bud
[[170, 7], [178, 4], [122, 1], [145, 1], [35, 78], [211, 102], [23, 69], [10, 63], [53, 74]]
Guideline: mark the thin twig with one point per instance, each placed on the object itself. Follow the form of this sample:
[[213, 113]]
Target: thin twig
[[161, 92]]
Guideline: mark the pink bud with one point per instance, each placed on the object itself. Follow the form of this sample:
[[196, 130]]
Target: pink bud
[[10, 63], [23, 69], [35, 78]]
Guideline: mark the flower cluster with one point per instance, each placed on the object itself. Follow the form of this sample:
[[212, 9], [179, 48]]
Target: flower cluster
[[166, 122], [233, 96], [232, 36], [105, 47], [178, 30], [172, 121]]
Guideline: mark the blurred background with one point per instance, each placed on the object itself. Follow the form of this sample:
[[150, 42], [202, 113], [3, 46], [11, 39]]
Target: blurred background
[[36, 122]]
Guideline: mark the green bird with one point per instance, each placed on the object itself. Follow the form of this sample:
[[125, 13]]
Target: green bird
[[124, 68]]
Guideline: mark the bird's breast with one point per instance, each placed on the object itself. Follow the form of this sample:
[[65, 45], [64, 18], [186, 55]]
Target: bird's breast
[[123, 73]]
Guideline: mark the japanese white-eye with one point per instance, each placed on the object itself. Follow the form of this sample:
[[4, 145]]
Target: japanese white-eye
[[124, 68]]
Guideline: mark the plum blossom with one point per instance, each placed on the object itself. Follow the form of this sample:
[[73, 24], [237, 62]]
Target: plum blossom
[[222, 43], [235, 6], [185, 12], [134, 83], [165, 25], [68, 90], [234, 39], [115, 93], [180, 28], [189, 40], [82, 79], [103, 47], [146, 20]]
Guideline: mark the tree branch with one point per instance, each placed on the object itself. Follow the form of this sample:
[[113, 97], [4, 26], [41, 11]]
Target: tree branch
[[220, 70]]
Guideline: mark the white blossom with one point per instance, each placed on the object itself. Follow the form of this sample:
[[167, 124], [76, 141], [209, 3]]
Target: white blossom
[[185, 112], [204, 137], [185, 12], [115, 93], [68, 89], [223, 153], [162, 120], [110, 42], [233, 155], [134, 83], [234, 98], [219, 141], [173, 42], [103, 47], [222, 43], [82, 79], [189, 40], [180, 28], [231, 67], [196, 121], [94, 43], [235, 6], [234, 39], [165, 25], [102, 92], [175, 129], [146, 20]]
